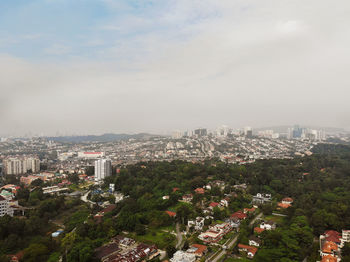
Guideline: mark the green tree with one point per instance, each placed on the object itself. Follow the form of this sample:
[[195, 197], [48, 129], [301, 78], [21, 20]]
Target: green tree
[[36, 253]]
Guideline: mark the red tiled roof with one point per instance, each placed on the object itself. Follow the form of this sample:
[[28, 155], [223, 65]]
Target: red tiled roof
[[329, 258], [213, 204], [280, 204], [258, 230], [332, 233], [199, 190], [329, 246], [332, 238], [251, 249], [170, 213], [239, 214], [109, 208], [200, 248], [248, 210], [175, 189]]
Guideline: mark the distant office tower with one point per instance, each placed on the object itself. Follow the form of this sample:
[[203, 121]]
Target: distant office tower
[[200, 132], [297, 131], [177, 134], [248, 132], [21, 165], [103, 169], [223, 131], [5, 208]]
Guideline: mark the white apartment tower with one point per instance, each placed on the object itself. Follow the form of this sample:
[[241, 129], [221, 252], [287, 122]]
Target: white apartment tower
[[103, 169], [21, 165]]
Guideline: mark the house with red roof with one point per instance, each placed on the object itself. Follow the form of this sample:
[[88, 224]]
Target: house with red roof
[[287, 200], [329, 258], [199, 190], [171, 213], [251, 251], [258, 230], [198, 250], [213, 204], [282, 205], [239, 214], [249, 210]]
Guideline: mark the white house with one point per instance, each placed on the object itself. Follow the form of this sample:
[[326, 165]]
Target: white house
[[268, 225]]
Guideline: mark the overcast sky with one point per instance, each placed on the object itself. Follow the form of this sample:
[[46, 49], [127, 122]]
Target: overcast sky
[[95, 66]]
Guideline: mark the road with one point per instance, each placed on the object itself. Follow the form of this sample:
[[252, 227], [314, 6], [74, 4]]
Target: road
[[223, 251], [178, 236], [229, 244], [256, 218], [84, 198]]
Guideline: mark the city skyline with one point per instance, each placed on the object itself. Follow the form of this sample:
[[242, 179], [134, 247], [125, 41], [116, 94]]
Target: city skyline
[[93, 67]]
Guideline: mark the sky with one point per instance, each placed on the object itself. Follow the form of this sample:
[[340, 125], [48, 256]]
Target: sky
[[128, 66]]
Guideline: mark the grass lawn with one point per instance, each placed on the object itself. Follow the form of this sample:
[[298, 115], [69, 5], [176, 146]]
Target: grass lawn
[[158, 237], [243, 259], [277, 219]]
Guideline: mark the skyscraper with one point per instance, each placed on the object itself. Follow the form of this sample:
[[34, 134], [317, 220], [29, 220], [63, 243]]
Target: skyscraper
[[103, 169]]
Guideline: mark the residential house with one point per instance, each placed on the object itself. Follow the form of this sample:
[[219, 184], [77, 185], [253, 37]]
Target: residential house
[[268, 225], [282, 205], [199, 190], [240, 215], [224, 202], [249, 210], [212, 205], [187, 198], [258, 230], [254, 241], [198, 223], [215, 233], [251, 251], [287, 200], [329, 248], [181, 256], [234, 222], [171, 213], [261, 198], [198, 250]]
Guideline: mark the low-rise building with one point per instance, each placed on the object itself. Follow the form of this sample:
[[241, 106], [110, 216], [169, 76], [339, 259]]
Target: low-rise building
[[251, 251], [182, 256], [268, 225], [261, 198], [240, 215], [215, 233], [187, 198], [254, 241], [198, 223], [198, 250]]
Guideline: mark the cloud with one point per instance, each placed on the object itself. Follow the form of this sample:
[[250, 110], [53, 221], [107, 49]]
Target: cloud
[[58, 49], [184, 64]]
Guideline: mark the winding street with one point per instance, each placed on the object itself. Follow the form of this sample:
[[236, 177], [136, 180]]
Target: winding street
[[178, 236]]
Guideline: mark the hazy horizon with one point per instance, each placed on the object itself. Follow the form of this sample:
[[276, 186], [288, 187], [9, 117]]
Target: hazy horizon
[[119, 66]]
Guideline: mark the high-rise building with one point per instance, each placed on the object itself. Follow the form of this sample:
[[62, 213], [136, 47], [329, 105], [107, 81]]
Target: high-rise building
[[103, 169], [5, 208], [21, 165], [248, 132], [201, 132]]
